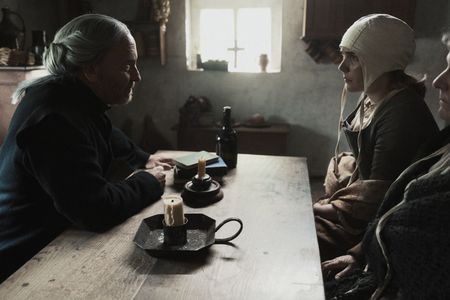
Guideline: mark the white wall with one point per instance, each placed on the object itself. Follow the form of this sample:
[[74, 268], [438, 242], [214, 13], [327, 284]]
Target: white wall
[[304, 94]]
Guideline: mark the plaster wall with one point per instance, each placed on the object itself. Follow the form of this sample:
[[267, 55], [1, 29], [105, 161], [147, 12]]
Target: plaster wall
[[304, 94], [37, 14]]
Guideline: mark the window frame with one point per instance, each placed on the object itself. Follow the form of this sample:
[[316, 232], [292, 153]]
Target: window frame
[[193, 8]]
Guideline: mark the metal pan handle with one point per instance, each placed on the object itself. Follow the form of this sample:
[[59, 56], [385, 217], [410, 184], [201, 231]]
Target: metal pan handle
[[225, 240]]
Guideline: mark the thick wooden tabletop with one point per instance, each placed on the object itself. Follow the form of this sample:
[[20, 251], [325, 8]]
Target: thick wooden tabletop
[[275, 257]]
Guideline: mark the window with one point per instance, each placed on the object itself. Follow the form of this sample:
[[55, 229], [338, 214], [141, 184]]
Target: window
[[233, 35]]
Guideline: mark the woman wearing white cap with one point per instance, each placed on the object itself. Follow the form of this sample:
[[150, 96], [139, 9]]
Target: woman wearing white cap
[[384, 132], [407, 246]]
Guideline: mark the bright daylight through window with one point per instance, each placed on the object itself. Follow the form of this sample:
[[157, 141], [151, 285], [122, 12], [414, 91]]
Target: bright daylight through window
[[234, 35]]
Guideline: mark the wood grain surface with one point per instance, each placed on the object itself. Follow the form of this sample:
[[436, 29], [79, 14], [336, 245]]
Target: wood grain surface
[[275, 257]]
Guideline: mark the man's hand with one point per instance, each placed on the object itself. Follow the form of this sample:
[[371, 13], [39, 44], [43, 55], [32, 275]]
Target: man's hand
[[344, 265], [159, 160], [159, 174]]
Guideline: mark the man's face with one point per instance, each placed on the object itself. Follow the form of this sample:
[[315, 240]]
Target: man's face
[[351, 71], [116, 73], [442, 83]]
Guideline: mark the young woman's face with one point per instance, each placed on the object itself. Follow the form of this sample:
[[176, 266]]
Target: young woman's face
[[352, 71], [442, 83]]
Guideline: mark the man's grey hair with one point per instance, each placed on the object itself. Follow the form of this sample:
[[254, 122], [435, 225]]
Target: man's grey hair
[[81, 42], [446, 39]]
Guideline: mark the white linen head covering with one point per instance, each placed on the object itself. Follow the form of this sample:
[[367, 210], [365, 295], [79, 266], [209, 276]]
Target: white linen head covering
[[382, 43]]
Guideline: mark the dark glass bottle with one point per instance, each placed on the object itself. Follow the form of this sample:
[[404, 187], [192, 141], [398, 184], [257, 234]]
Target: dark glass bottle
[[226, 141], [38, 45]]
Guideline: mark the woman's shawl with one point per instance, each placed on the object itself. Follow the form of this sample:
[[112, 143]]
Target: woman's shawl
[[411, 246]]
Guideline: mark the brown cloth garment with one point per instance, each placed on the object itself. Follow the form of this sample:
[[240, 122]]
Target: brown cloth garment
[[356, 204], [388, 144]]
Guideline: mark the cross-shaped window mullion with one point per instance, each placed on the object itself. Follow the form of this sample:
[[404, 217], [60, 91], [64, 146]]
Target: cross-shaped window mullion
[[235, 49]]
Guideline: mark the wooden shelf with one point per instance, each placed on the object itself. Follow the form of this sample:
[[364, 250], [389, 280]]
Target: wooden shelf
[[268, 140], [21, 68]]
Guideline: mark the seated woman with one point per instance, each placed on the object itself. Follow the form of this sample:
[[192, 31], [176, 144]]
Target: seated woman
[[407, 247], [384, 132]]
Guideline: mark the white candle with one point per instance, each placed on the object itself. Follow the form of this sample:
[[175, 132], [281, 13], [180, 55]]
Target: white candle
[[173, 210], [201, 168]]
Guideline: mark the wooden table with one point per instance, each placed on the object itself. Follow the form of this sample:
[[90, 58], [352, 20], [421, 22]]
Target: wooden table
[[275, 257]]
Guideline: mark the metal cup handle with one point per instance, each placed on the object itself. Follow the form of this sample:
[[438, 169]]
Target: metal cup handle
[[225, 240]]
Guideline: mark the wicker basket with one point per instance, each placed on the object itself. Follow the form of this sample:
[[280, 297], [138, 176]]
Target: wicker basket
[[14, 57]]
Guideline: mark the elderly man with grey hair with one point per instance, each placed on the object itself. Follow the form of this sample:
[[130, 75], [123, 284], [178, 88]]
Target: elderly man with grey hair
[[60, 143]]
